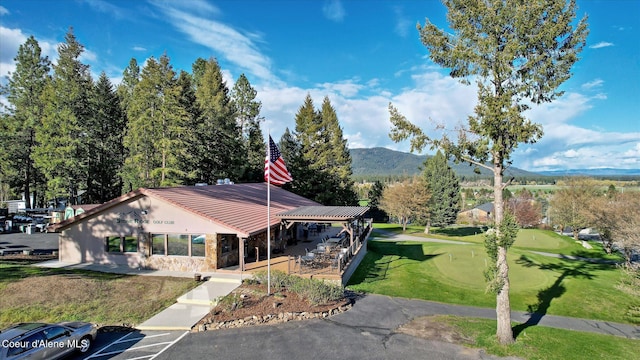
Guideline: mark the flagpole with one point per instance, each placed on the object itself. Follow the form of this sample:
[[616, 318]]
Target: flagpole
[[269, 214]]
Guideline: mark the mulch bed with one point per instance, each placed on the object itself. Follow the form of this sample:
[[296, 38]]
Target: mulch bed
[[255, 307]]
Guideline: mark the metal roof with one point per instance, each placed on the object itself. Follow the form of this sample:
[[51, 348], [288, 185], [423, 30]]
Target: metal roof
[[324, 213], [242, 207]]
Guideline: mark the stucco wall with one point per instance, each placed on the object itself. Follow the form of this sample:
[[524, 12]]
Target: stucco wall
[[84, 241]]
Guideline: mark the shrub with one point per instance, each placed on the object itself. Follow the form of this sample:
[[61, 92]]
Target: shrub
[[316, 291], [231, 302]]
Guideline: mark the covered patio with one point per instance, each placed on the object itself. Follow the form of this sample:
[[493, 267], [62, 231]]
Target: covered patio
[[325, 242]]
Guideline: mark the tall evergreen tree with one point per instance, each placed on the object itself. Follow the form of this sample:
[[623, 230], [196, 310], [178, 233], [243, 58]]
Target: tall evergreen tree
[[247, 111], [188, 102], [338, 159], [517, 52], [306, 176], [156, 128], [61, 153], [105, 133], [130, 78], [216, 142], [325, 173], [444, 188], [17, 133]]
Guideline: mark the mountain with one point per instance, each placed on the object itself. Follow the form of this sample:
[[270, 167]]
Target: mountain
[[384, 162], [592, 172]]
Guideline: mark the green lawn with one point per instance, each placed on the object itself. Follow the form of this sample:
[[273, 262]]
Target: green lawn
[[543, 343], [454, 274], [530, 239]]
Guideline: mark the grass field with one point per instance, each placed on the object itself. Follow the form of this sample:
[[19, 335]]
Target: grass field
[[544, 343], [453, 273], [34, 294]]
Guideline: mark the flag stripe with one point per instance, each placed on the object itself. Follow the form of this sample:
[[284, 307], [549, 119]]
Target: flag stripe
[[275, 170]]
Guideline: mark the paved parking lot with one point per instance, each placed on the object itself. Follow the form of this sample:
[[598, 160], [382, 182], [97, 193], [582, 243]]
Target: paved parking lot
[[131, 345], [38, 242]]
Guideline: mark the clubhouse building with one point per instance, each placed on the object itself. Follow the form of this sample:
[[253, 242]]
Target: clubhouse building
[[194, 228]]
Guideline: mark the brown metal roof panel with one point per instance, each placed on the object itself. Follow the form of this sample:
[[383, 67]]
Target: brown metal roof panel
[[324, 212], [239, 206]]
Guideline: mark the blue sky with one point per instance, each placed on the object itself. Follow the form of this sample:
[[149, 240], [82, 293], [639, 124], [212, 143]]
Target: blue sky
[[362, 55]]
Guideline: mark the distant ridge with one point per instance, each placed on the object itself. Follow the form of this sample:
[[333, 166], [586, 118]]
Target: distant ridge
[[381, 161], [592, 172]]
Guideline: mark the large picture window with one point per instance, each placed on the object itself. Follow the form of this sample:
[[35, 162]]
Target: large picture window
[[197, 245], [158, 244], [178, 244], [120, 244]]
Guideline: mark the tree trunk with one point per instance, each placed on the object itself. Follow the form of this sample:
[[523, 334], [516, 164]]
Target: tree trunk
[[504, 332], [426, 229]]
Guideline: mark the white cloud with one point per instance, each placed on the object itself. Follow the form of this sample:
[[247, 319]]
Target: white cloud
[[3, 11], [601, 44], [403, 24], [235, 46], [592, 84], [107, 8], [88, 56], [139, 48], [333, 10], [346, 88]]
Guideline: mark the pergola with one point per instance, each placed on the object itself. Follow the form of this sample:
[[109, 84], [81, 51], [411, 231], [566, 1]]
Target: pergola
[[347, 216]]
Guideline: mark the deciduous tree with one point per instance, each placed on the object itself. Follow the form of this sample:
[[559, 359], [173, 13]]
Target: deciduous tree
[[517, 52], [526, 210], [408, 200], [571, 204]]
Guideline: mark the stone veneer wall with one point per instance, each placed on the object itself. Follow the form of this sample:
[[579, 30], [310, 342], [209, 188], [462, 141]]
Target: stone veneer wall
[[181, 263], [176, 263]]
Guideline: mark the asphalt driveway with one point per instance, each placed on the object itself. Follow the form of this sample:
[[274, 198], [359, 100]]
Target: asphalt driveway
[[42, 243], [367, 331]]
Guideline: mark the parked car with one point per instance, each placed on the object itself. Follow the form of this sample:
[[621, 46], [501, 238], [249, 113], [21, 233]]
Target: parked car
[[46, 341]]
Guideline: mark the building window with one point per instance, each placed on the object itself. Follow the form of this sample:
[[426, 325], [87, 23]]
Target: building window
[[198, 245], [178, 245], [130, 243], [158, 244], [113, 244], [119, 244]]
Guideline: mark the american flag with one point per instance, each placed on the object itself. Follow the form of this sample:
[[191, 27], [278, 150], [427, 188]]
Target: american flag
[[275, 170]]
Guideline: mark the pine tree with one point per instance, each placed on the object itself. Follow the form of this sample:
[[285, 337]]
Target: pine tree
[[247, 111], [291, 151], [17, 134], [156, 128], [62, 150], [444, 204], [325, 175], [307, 177], [130, 78], [216, 143], [338, 158], [105, 133]]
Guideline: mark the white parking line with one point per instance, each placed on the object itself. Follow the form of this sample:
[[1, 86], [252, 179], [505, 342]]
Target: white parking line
[[97, 353], [166, 344], [175, 341]]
